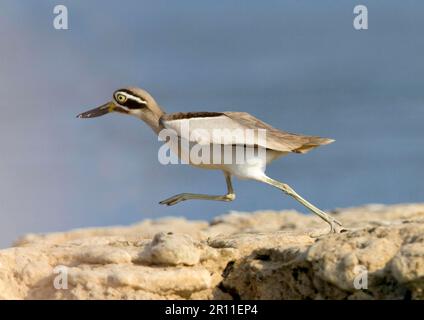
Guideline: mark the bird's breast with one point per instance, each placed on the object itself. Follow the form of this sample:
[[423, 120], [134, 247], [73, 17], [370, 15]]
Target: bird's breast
[[241, 161]]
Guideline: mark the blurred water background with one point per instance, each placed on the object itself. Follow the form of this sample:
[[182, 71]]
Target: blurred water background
[[298, 65]]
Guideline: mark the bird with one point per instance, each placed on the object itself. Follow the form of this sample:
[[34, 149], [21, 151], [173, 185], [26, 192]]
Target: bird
[[139, 103]]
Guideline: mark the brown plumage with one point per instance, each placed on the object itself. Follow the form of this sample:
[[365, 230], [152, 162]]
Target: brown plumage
[[276, 139]]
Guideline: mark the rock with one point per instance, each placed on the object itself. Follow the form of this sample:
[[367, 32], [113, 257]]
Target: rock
[[240, 255], [171, 249]]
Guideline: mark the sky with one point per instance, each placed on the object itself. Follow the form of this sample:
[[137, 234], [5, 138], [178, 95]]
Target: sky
[[298, 65]]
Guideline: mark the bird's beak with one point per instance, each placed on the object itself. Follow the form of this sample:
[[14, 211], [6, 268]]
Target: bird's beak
[[99, 111]]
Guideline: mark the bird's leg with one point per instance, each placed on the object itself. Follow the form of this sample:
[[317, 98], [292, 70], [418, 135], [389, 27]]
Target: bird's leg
[[335, 226], [230, 196]]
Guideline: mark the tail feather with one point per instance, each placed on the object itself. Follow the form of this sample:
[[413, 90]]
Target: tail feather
[[313, 143]]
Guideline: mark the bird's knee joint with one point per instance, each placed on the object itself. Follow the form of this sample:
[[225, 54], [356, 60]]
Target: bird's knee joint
[[230, 197], [285, 186], [287, 189]]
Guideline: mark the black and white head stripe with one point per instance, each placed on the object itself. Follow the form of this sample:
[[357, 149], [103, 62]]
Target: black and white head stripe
[[127, 98]]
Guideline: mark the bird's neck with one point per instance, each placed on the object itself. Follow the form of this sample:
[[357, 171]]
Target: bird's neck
[[152, 118]]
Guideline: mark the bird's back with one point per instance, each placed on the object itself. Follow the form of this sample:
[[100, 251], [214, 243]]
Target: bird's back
[[276, 139]]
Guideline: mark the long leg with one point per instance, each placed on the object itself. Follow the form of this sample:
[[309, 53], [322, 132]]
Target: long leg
[[230, 196], [335, 225]]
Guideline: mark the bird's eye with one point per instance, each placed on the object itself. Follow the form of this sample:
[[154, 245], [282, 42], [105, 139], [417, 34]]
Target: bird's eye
[[121, 98]]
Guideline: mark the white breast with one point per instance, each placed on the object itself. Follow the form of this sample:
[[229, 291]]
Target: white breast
[[242, 162]]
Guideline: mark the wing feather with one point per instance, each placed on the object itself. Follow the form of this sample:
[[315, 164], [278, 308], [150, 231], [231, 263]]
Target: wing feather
[[199, 127]]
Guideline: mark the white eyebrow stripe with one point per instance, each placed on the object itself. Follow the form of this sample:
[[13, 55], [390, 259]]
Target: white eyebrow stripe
[[132, 97], [138, 99]]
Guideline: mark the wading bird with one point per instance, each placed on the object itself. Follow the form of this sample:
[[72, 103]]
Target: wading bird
[[139, 103]]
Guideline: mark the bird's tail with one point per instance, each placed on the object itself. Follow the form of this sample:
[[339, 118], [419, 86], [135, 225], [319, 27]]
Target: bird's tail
[[313, 143]]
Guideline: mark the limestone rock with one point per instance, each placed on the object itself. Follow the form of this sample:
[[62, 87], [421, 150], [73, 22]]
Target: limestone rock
[[240, 255], [171, 249]]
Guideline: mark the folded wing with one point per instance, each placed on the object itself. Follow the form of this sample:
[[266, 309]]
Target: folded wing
[[230, 128]]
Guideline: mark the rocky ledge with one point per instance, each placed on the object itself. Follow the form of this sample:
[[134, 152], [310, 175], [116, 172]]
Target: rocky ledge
[[240, 255]]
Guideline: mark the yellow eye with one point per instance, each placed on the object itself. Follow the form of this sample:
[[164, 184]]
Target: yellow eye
[[121, 98]]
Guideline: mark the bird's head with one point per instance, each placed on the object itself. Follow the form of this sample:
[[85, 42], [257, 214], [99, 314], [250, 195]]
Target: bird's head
[[132, 101]]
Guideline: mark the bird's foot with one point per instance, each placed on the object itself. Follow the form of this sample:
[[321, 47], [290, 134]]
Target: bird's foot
[[173, 200], [335, 227]]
